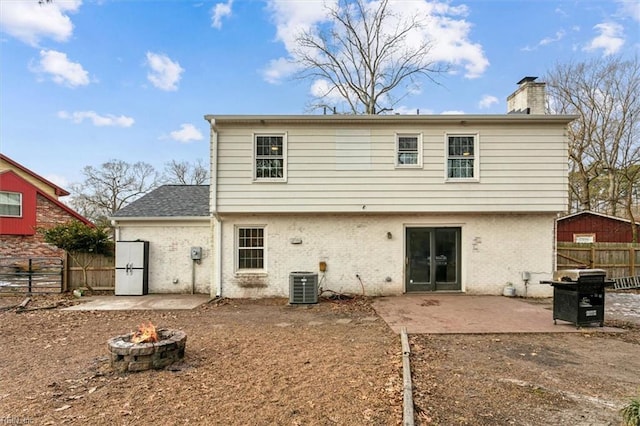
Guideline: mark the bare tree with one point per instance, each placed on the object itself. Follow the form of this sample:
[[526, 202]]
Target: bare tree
[[364, 56], [185, 173], [112, 186], [603, 141]]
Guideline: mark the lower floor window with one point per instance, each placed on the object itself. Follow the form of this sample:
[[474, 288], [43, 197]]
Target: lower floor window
[[251, 248]]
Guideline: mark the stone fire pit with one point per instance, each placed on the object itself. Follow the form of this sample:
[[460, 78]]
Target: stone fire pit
[[128, 356]]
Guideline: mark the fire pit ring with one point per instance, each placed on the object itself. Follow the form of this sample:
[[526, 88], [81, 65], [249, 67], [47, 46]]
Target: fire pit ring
[[128, 356]]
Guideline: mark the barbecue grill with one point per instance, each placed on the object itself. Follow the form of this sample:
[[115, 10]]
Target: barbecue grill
[[578, 295]]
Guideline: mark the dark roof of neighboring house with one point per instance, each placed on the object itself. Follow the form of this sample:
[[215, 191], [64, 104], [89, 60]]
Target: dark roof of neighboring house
[[170, 201]]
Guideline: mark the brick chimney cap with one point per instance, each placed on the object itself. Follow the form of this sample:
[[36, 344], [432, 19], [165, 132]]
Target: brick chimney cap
[[527, 79]]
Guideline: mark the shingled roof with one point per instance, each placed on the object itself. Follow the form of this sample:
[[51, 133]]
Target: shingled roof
[[170, 201]]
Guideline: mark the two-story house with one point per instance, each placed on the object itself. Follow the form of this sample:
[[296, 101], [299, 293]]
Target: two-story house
[[28, 202], [388, 204]]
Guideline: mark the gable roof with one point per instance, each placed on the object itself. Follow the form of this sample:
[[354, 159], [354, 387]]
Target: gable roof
[[592, 213], [169, 201], [16, 177], [59, 192]]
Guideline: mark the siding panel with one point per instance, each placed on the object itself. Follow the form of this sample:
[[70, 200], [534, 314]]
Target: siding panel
[[333, 168]]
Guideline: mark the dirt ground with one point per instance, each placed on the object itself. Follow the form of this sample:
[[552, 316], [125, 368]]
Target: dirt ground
[[336, 363]]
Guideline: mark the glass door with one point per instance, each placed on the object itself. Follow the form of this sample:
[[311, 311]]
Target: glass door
[[432, 259]]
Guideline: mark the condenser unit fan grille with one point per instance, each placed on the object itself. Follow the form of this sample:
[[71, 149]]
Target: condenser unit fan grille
[[303, 287]]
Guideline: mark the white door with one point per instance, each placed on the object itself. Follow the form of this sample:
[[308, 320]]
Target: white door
[[129, 282], [129, 254]]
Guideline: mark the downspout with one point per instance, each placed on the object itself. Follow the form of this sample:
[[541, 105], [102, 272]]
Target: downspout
[[216, 222], [217, 270]]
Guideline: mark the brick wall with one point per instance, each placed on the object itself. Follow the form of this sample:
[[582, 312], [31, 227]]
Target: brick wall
[[47, 216], [495, 249], [171, 269], [530, 95]]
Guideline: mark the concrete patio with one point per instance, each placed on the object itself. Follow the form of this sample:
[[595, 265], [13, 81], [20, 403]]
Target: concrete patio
[[146, 302], [467, 314]]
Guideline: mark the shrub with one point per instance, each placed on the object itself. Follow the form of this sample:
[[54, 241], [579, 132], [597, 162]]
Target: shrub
[[631, 413]]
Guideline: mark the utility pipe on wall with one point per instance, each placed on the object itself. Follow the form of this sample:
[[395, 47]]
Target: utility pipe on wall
[[193, 276]]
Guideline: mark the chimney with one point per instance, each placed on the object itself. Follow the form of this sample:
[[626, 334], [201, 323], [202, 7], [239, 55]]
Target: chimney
[[529, 98]]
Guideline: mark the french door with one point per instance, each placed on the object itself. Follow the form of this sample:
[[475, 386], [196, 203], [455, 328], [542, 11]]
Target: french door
[[432, 259]]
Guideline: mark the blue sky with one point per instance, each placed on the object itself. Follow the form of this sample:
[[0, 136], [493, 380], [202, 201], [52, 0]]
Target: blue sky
[[83, 82]]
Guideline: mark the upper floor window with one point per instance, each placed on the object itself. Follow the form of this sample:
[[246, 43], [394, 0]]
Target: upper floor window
[[408, 150], [270, 157], [250, 245], [462, 160], [10, 204]]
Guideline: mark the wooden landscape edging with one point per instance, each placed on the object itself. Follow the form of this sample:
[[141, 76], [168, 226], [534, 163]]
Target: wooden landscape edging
[[407, 411]]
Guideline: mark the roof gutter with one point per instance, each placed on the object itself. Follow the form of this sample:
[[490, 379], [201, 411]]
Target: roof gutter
[[115, 219], [448, 119], [216, 223]]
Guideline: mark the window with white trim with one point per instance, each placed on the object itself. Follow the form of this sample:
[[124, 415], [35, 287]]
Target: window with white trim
[[408, 150], [10, 204], [461, 157], [270, 157], [251, 248]]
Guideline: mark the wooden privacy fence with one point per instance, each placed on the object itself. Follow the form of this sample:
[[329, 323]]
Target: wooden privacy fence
[[618, 259], [101, 272]]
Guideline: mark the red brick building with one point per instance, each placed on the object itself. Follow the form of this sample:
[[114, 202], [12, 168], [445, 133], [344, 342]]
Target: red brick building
[[28, 202], [592, 227]]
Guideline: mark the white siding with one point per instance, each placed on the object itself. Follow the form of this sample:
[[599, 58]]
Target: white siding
[[523, 168], [170, 264], [495, 249]]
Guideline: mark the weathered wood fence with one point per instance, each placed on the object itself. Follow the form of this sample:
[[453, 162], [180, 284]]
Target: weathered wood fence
[[618, 259], [101, 273]]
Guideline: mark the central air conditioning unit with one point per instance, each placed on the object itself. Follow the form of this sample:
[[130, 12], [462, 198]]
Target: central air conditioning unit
[[303, 287]]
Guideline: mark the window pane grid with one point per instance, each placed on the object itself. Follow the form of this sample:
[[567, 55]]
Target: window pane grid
[[10, 204], [269, 157], [251, 248], [460, 146], [407, 150], [460, 168], [460, 161]]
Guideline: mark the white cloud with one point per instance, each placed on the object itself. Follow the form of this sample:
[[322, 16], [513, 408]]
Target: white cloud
[[610, 39], [61, 181], [405, 110], [30, 22], [187, 133], [452, 112], [97, 119], [219, 11], [487, 101], [559, 35], [445, 28], [61, 69], [630, 8], [278, 70], [165, 73]]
